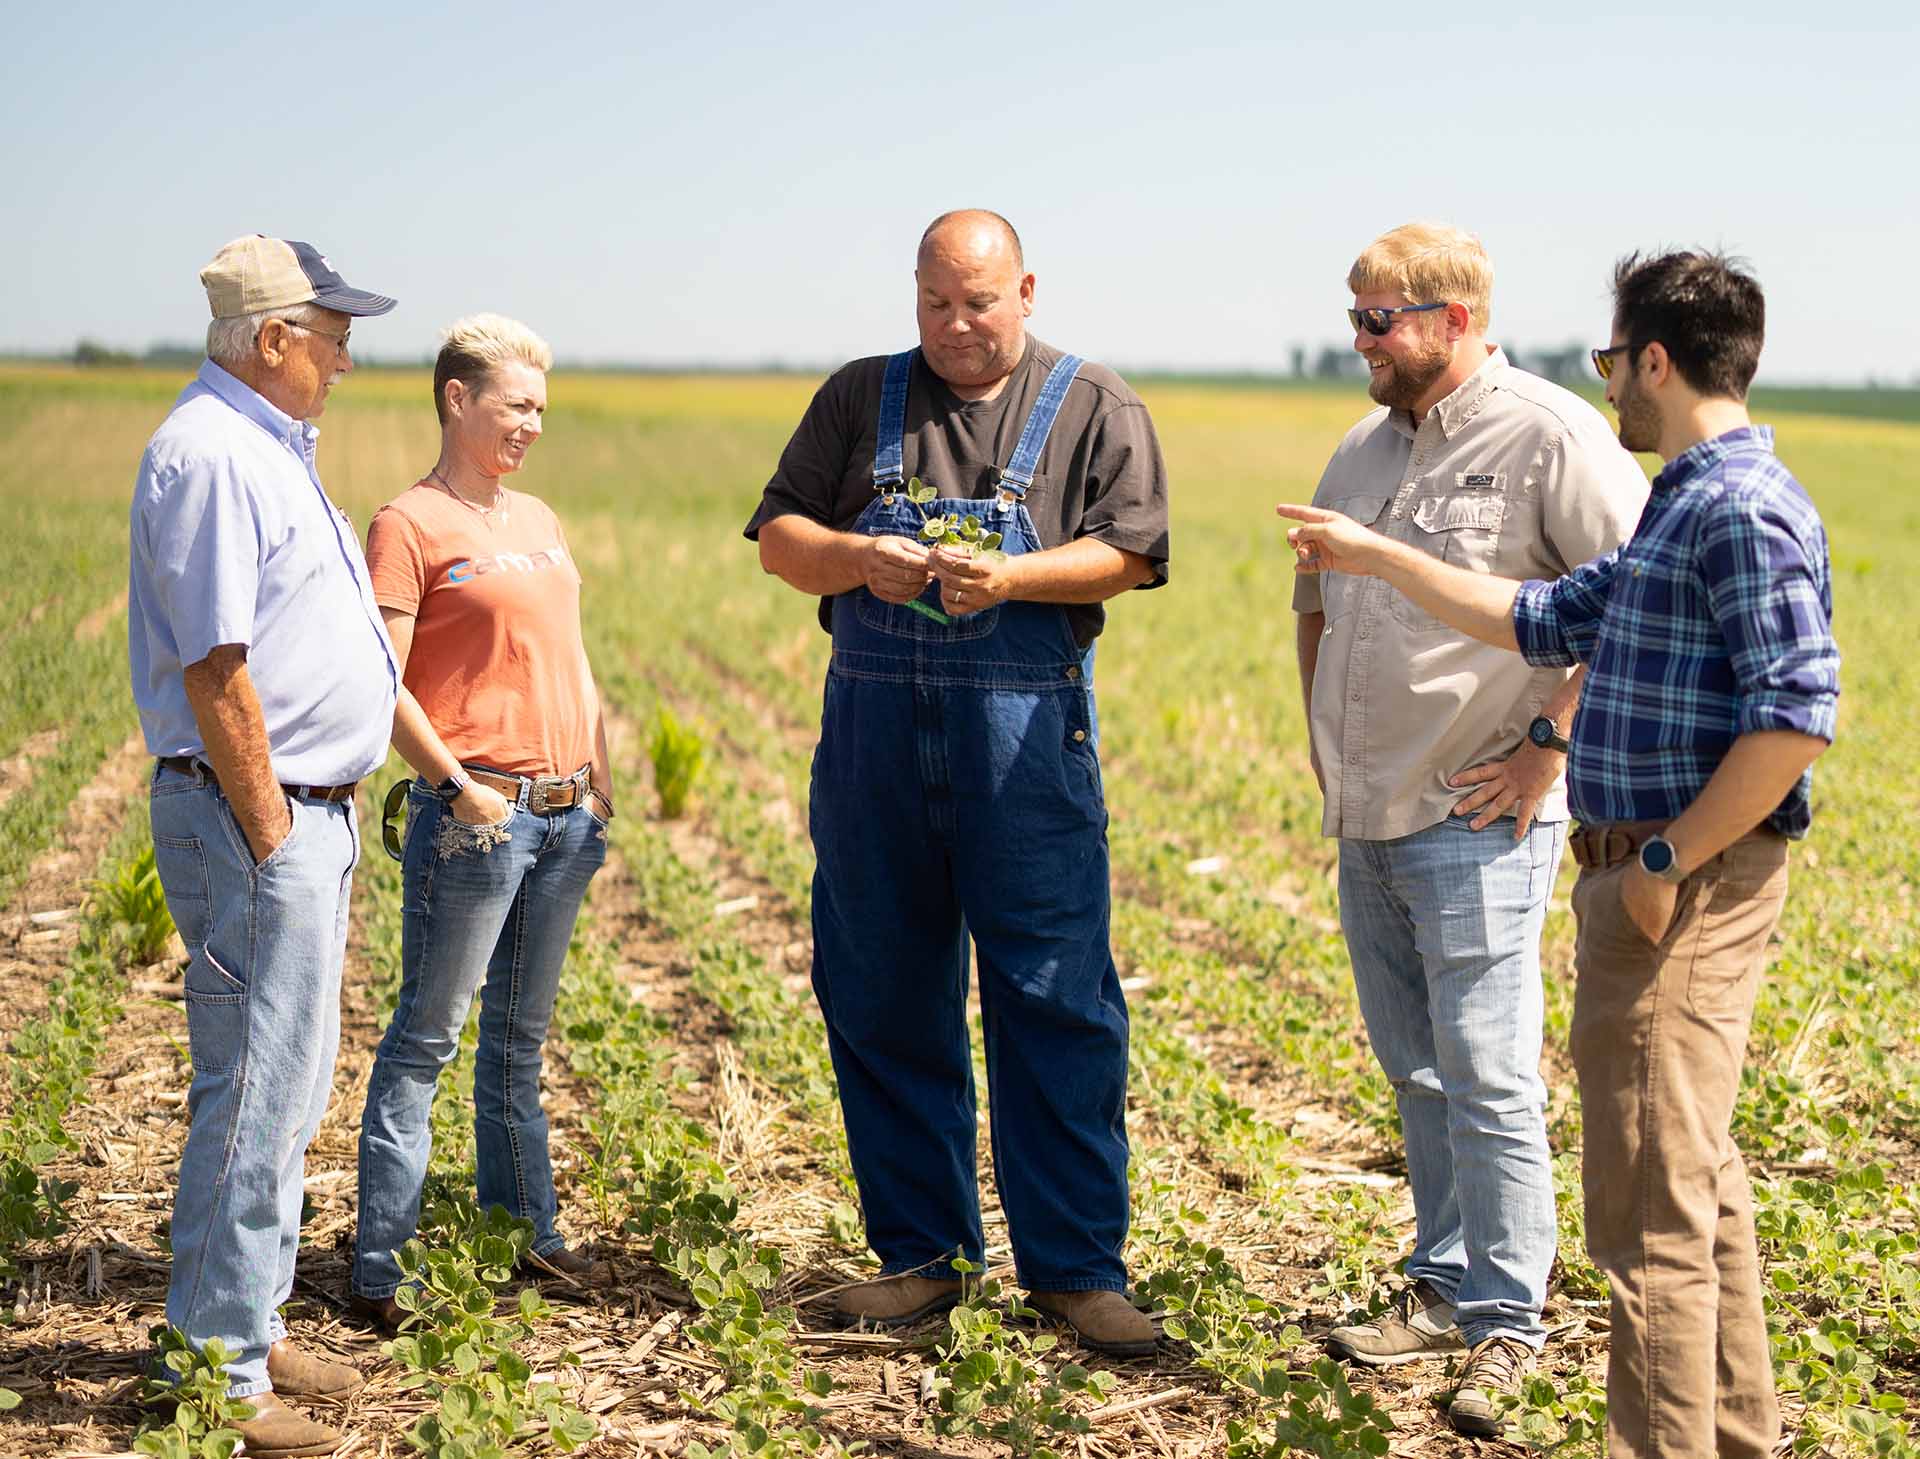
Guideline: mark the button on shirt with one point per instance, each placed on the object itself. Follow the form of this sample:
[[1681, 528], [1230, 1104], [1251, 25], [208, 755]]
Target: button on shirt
[[1509, 474], [234, 541], [1713, 621]]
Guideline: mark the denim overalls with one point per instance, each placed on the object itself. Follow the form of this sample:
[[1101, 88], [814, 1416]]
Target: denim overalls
[[956, 792]]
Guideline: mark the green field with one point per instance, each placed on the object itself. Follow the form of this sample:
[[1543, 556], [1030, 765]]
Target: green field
[[694, 1064]]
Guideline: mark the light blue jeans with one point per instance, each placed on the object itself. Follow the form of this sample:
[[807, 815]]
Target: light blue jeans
[[488, 910], [1443, 927], [265, 947]]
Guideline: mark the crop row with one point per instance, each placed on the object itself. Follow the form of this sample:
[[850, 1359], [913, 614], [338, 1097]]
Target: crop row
[[51, 1057]]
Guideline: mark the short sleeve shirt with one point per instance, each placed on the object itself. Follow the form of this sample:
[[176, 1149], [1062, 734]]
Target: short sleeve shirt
[[1509, 475], [497, 660], [1100, 475], [233, 541]]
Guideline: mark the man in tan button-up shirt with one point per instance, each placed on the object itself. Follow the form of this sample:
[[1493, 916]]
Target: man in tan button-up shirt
[[1441, 760]]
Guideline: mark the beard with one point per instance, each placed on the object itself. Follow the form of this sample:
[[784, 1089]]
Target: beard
[[1405, 380], [1639, 419]]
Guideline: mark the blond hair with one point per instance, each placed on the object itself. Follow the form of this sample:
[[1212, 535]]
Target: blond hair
[[1428, 263], [474, 347]]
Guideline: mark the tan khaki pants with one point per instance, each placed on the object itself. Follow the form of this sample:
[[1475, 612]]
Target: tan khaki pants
[[1659, 1033]]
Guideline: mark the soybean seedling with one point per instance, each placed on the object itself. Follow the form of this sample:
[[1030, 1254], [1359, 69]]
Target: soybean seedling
[[964, 535]]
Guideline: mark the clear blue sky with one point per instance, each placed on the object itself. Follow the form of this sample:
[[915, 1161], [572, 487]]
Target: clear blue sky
[[745, 184]]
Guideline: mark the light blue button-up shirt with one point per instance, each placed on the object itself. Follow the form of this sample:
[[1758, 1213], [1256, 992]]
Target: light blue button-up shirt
[[233, 540]]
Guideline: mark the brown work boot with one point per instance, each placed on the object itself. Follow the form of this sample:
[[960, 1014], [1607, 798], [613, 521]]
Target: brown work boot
[[1418, 1323], [1105, 1321], [383, 1313], [278, 1432], [1493, 1368], [575, 1268], [894, 1301], [295, 1374]]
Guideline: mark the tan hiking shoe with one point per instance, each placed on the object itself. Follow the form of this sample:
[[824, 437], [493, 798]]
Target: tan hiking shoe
[[1493, 1368], [894, 1301], [278, 1432], [295, 1374], [1418, 1323], [1105, 1321]]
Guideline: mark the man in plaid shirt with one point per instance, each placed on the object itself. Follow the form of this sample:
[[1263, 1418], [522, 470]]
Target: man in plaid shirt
[[1712, 684]]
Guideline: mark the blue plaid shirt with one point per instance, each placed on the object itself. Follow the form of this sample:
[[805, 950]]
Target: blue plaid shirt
[[1712, 621]]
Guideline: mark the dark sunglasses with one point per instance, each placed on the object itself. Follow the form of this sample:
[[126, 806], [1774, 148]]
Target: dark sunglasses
[[1379, 321], [390, 817], [1603, 359]]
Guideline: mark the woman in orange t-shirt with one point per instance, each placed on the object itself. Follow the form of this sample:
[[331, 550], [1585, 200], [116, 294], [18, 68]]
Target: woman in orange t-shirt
[[508, 818]]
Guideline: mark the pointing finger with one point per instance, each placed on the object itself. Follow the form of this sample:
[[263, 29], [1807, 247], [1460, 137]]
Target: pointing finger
[[1303, 513]]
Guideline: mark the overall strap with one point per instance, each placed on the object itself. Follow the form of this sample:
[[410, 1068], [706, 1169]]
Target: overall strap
[[890, 445], [1018, 474]]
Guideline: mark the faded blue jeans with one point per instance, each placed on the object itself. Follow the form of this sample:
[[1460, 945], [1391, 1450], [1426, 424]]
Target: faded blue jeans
[[486, 909], [1443, 927], [265, 947]]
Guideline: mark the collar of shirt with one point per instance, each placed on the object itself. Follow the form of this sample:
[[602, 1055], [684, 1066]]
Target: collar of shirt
[[299, 436], [1705, 455], [1462, 403]]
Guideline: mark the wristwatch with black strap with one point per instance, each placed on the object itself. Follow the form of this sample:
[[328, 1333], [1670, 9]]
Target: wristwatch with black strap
[[1544, 733]]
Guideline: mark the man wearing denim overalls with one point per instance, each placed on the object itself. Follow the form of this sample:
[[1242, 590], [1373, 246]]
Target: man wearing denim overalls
[[956, 789]]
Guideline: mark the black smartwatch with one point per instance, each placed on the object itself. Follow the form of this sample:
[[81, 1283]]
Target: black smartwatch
[[451, 788], [1543, 734], [1659, 860]]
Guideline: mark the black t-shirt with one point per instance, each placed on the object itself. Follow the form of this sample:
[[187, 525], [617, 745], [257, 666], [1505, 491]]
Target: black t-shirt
[[1100, 474]]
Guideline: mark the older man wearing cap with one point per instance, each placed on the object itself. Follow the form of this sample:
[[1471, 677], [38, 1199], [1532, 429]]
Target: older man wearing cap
[[266, 689]]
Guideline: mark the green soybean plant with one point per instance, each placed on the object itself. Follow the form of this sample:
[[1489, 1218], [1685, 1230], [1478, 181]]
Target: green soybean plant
[[204, 1417], [993, 1382], [953, 530], [488, 1404], [1319, 1414], [766, 1409], [1569, 1419]]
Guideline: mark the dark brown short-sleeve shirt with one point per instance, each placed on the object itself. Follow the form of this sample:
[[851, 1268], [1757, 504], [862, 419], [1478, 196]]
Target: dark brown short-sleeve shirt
[[1100, 475]]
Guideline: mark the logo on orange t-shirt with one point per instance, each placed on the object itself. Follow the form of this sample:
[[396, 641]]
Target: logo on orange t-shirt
[[470, 568]]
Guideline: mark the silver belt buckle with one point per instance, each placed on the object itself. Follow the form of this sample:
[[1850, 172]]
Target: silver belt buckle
[[537, 789]]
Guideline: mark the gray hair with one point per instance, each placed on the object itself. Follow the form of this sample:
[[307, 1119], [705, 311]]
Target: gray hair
[[230, 342]]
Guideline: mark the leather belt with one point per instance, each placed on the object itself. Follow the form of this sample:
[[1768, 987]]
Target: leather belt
[[1598, 847], [545, 793], [331, 794]]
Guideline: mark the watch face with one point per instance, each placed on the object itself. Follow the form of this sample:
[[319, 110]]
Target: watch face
[[1656, 855], [1540, 731]]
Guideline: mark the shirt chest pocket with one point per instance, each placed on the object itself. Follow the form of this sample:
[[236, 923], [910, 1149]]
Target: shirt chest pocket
[[1460, 527], [1340, 592]]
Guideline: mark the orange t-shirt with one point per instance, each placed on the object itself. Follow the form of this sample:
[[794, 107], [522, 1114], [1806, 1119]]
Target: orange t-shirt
[[497, 661]]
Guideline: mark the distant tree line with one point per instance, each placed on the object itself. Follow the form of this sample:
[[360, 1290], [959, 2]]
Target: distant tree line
[[91, 353], [1566, 366]]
